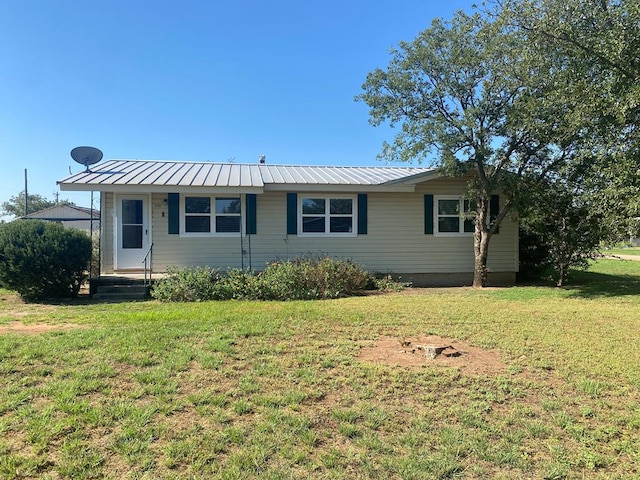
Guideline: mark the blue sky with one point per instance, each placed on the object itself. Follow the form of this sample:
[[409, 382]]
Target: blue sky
[[193, 80]]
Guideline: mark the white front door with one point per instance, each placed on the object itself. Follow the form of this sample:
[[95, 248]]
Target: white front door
[[132, 231]]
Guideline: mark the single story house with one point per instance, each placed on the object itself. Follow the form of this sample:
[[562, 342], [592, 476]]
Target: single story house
[[405, 221], [70, 216]]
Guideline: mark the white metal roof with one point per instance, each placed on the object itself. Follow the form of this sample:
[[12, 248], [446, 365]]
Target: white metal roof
[[169, 176]]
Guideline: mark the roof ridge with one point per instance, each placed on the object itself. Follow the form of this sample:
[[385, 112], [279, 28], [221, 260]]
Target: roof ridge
[[267, 165]]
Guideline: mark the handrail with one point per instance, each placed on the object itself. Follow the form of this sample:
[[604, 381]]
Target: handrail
[[149, 257]]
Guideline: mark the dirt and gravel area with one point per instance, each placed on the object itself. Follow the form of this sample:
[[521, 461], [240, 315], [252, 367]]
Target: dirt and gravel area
[[32, 329], [415, 352]]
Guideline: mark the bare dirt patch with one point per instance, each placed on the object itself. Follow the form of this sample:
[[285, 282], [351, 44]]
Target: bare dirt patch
[[624, 257], [33, 329], [408, 352]]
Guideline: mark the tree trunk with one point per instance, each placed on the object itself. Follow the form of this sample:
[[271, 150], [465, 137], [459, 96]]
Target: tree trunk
[[481, 249], [563, 255], [562, 275], [481, 245]]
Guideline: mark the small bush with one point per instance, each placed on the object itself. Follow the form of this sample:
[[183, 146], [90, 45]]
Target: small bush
[[314, 278], [186, 285], [40, 259], [239, 284], [300, 279], [386, 283]]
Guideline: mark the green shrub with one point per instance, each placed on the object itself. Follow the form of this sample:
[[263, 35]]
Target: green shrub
[[40, 259], [239, 284], [186, 285], [299, 279], [386, 283], [314, 278]]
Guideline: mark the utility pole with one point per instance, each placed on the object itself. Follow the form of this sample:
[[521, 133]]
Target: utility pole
[[26, 195]]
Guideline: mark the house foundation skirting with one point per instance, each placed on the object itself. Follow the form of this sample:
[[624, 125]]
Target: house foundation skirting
[[495, 279]]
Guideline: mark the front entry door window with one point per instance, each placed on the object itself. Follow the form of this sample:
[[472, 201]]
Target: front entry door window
[[133, 232], [132, 224]]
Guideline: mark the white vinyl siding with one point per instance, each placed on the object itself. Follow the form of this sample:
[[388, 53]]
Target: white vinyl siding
[[107, 235], [395, 242]]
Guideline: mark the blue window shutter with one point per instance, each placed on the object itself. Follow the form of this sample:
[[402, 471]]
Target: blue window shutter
[[251, 213], [428, 214], [362, 214], [173, 206], [292, 213], [494, 209]]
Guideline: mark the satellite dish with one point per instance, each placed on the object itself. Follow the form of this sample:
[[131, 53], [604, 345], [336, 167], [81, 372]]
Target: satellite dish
[[86, 156]]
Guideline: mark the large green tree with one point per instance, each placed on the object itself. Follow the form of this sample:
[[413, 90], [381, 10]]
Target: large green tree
[[595, 45], [598, 43], [467, 97]]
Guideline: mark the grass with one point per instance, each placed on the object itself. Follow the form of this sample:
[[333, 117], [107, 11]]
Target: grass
[[623, 251], [236, 390]]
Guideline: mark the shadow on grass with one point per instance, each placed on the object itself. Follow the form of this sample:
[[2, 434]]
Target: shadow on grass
[[594, 284], [89, 300], [81, 299]]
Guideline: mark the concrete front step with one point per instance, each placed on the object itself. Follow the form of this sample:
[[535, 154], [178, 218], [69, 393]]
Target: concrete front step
[[121, 292]]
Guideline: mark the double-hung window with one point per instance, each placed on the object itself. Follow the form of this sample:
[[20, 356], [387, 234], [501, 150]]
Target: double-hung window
[[197, 214], [454, 215], [227, 215], [205, 215], [327, 215]]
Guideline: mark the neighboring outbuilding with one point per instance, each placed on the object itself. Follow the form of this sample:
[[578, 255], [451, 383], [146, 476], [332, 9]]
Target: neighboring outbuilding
[[407, 221], [70, 216]]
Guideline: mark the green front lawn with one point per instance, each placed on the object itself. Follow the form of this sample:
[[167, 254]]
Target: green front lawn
[[276, 390]]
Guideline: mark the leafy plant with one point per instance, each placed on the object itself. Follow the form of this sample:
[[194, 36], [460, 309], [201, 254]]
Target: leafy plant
[[314, 278], [386, 283], [300, 279], [560, 230], [186, 285], [40, 259]]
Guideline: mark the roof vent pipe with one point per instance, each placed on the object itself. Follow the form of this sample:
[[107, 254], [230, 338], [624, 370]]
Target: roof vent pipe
[[262, 159]]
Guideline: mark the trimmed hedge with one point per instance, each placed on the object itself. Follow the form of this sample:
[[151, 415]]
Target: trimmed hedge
[[40, 259]]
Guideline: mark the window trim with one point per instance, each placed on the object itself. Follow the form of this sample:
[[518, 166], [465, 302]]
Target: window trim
[[212, 215], [327, 215], [436, 216]]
